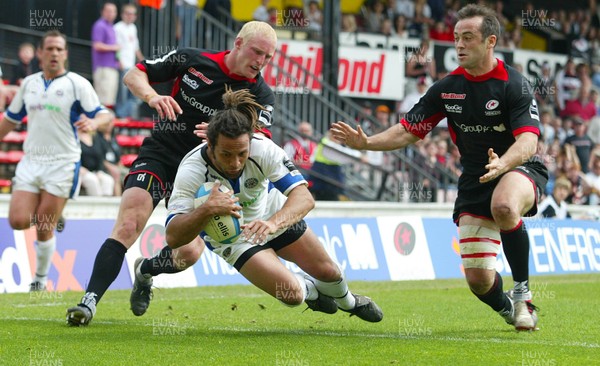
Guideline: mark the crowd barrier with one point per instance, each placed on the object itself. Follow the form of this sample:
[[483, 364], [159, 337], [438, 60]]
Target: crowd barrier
[[371, 241]]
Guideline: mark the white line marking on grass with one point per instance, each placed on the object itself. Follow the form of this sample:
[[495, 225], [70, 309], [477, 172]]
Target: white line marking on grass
[[394, 336]]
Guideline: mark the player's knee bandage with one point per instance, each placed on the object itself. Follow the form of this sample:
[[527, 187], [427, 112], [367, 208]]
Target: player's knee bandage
[[479, 246]]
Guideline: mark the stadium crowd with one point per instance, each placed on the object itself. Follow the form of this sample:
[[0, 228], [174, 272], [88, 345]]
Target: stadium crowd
[[567, 97]]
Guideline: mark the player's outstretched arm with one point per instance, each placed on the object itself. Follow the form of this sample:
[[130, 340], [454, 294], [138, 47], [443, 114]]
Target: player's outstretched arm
[[137, 81], [395, 137], [298, 204], [519, 152], [184, 228]]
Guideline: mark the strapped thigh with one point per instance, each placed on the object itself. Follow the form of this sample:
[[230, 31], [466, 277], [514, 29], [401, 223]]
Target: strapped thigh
[[479, 246]]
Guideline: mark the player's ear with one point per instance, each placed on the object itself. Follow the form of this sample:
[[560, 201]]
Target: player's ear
[[492, 40]]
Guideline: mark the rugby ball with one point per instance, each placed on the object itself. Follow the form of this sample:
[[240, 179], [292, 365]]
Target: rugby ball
[[223, 229]]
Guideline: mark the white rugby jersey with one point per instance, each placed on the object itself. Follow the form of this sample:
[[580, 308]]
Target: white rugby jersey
[[267, 163], [52, 109]]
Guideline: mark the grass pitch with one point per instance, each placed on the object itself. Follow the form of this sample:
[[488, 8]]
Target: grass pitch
[[425, 323]]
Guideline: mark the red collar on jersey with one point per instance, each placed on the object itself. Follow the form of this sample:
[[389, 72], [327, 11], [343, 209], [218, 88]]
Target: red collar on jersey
[[219, 58], [499, 72]]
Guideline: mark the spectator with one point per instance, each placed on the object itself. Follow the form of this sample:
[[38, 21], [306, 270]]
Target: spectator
[[548, 133], [26, 65], [94, 177], [349, 23], [301, 149], [329, 180], [441, 32], [261, 13], [129, 54], [7, 92], [555, 206], [105, 65], [187, 10], [112, 156], [567, 85], [412, 98], [582, 107], [400, 26], [387, 29], [592, 182], [582, 143], [315, 18], [544, 86], [421, 20], [374, 16], [406, 8], [382, 114], [420, 64]]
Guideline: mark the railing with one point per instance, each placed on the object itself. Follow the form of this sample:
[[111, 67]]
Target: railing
[[158, 35]]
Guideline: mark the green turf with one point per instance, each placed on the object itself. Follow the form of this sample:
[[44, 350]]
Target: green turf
[[425, 323]]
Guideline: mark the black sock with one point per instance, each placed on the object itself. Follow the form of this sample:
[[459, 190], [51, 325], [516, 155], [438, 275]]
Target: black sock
[[495, 297], [516, 250], [106, 267], [163, 262]]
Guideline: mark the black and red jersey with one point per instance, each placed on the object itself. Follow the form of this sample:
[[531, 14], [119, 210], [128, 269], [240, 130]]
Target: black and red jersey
[[483, 112], [199, 83]]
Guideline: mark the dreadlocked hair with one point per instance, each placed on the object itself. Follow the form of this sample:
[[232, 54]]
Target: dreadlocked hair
[[238, 117]]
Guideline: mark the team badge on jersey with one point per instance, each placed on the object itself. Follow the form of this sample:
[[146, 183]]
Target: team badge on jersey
[[250, 182]]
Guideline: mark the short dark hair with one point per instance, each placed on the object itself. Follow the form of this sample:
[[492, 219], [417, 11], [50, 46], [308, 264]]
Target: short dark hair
[[490, 24], [239, 116], [52, 33]]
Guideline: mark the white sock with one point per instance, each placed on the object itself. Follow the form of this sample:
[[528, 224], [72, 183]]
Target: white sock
[[339, 291], [311, 289], [44, 251]]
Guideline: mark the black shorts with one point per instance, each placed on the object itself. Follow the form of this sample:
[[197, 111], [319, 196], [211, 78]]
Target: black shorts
[[152, 175], [288, 237], [475, 198]]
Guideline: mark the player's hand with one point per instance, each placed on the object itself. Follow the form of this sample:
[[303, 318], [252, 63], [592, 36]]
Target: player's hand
[[201, 130], [356, 139], [222, 203], [85, 124], [495, 167], [257, 231], [166, 107]]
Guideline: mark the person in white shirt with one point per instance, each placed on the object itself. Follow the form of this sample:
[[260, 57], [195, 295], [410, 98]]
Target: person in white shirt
[[58, 104], [129, 54], [262, 12], [554, 206]]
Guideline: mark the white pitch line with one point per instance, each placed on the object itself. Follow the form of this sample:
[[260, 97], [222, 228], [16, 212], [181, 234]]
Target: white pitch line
[[398, 336], [575, 344]]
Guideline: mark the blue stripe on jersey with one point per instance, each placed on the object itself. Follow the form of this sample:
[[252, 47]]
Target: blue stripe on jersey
[[270, 187], [76, 111], [75, 179], [235, 184], [287, 181], [19, 116], [169, 219], [93, 113]]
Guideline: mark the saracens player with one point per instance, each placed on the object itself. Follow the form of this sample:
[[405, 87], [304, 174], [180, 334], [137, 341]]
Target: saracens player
[[493, 119], [200, 77]]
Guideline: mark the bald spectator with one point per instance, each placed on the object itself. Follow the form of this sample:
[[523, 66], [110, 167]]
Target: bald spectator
[[302, 148]]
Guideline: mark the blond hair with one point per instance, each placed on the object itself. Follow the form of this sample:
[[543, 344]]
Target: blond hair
[[255, 28]]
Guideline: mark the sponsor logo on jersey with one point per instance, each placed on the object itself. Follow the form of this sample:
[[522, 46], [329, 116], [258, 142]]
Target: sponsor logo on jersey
[[250, 182], [453, 108], [289, 164], [499, 128], [197, 104], [200, 75], [533, 110], [475, 129], [41, 107], [251, 201], [138, 165], [492, 113], [492, 104], [453, 96], [192, 83]]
